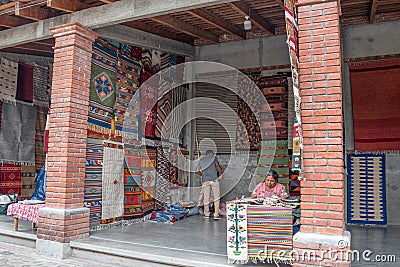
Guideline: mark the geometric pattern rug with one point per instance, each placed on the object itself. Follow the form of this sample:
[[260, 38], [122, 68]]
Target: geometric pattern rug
[[366, 189]]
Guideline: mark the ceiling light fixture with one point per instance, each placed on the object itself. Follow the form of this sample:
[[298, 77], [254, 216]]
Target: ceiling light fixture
[[247, 23]]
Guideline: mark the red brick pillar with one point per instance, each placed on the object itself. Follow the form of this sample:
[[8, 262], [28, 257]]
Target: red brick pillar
[[322, 192], [64, 218]]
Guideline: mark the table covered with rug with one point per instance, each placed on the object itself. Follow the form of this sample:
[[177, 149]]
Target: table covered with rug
[[25, 212], [259, 233]]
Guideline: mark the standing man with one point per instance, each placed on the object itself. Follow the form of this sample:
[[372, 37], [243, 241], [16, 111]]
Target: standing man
[[211, 173]]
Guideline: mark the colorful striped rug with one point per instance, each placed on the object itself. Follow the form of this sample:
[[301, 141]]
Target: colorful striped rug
[[366, 192], [93, 179], [269, 231]]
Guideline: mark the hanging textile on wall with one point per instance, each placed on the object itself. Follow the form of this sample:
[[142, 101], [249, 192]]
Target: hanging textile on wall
[[366, 189], [128, 81], [10, 179], [93, 179], [17, 134], [183, 166], [40, 86], [247, 134], [292, 42], [148, 182], [147, 109], [102, 90], [275, 91], [40, 155], [136, 52], [164, 108], [28, 174], [25, 83], [1, 110], [132, 190], [8, 79], [376, 117], [113, 181], [162, 185]]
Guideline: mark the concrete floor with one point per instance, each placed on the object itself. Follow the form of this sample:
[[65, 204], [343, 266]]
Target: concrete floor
[[197, 238]]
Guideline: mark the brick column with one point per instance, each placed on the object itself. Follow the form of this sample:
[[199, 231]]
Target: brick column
[[322, 191], [65, 218]]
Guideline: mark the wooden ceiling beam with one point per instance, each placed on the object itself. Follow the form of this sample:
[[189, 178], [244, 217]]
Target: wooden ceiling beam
[[246, 10], [374, 5], [280, 3], [67, 5], [11, 21], [108, 1], [32, 12], [36, 47], [218, 22], [187, 28], [158, 31]]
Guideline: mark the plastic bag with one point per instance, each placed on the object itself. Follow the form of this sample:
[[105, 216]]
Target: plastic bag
[[5, 201], [40, 189]]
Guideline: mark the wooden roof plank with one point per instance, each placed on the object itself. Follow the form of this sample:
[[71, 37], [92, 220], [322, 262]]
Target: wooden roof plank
[[158, 31], [67, 5], [32, 12], [11, 21], [187, 28], [245, 9], [374, 6], [218, 22]]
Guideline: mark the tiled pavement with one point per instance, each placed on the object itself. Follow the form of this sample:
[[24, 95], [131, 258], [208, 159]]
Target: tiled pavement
[[18, 256]]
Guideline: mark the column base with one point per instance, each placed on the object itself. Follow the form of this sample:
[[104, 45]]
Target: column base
[[53, 249]]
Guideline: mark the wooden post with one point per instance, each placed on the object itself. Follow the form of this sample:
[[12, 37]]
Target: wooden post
[[15, 224]]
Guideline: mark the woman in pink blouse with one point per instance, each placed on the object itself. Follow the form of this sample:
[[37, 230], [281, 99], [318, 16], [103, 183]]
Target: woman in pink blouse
[[270, 187]]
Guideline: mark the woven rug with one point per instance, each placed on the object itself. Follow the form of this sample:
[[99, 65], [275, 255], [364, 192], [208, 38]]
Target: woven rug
[[148, 178], [40, 82], [1, 110], [40, 125], [275, 91], [113, 181], [366, 189], [28, 175], [102, 90], [164, 108], [132, 190], [25, 83], [162, 186], [146, 59], [173, 166], [128, 80], [183, 166], [248, 117], [17, 135], [269, 231], [148, 109], [237, 232], [10, 182], [376, 117], [93, 178], [8, 79]]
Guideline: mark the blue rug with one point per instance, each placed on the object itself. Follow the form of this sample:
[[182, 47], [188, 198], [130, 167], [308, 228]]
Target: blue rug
[[366, 192]]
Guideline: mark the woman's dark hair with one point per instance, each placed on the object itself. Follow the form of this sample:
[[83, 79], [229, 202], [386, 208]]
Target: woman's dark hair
[[274, 174]]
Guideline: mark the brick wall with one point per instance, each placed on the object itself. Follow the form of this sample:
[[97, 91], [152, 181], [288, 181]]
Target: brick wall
[[67, 135], [322, 192]]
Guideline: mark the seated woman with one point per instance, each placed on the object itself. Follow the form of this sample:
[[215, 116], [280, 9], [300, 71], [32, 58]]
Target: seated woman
[[270, 187]]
